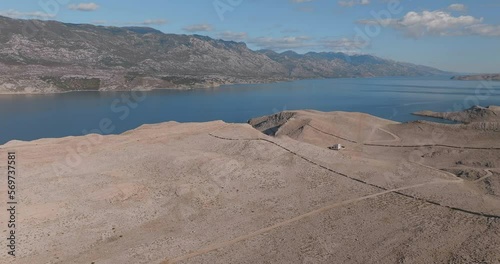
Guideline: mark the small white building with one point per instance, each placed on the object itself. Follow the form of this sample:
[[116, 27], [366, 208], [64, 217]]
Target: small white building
[[337, 147]]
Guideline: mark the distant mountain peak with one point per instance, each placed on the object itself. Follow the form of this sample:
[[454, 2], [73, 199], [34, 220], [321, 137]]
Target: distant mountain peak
[[143, 30]]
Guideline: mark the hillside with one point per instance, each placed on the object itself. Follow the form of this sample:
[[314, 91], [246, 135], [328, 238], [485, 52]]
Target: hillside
[[227, 193], [50, 56], [476, 117]]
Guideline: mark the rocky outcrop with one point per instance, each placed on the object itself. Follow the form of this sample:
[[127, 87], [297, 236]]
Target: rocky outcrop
[[475, 114]]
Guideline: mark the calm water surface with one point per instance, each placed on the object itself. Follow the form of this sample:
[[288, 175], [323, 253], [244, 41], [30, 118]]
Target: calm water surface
[[28, 117]]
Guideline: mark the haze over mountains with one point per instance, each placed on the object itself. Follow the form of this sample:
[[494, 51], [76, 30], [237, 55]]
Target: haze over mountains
[[50, 56]]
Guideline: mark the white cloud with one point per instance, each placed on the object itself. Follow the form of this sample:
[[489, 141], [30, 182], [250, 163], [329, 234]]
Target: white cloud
[[345, 45], [303, 8], [235, 36], [306, 9], [290, 30], [199, 28], [484, 30], [17, 14], [147, 22], [350, 3], [438, 23], [282, 43], [150, 22], [100, 22], [458, 7], [84, 7]]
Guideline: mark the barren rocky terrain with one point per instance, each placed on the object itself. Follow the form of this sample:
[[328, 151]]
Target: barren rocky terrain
[[473, 114], [265, 192]]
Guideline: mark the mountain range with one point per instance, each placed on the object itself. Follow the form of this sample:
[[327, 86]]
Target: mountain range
[[50, 56]]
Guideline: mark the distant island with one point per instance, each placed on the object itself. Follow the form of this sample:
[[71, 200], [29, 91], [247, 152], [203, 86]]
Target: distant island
[[39, 56], [478, 77]]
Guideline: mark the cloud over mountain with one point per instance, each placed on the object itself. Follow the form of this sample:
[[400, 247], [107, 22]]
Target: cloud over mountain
[[198, 28], [438, 23], [84, 7]]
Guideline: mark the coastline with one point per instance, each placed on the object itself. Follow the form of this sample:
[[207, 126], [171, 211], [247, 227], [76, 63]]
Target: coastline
[[199, 86], [145, 89]]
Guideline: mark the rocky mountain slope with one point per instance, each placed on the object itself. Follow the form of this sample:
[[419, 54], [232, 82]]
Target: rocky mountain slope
[[341, 65], [50, 56]]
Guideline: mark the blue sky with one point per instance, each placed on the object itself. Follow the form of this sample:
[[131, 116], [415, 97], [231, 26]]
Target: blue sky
[[455, 35]]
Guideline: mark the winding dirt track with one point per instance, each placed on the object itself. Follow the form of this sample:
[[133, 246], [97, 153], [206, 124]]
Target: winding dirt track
[[217, 246], [401, 146], [457, 180], [384, 191], [488, 174]]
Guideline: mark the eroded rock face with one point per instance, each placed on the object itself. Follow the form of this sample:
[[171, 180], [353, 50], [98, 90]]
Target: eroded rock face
[[467, 173], [32, 53], [269, 125]]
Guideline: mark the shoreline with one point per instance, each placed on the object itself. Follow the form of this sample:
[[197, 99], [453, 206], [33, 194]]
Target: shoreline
[[183, 88], [146, 89], [104, 91], [33, 141], [131, 90]]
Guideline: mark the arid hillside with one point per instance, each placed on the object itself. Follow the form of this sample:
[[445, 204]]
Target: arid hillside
[[227, 193]]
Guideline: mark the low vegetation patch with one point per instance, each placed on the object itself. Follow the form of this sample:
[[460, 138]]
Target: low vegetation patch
[[177, 80], [73, 83]]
